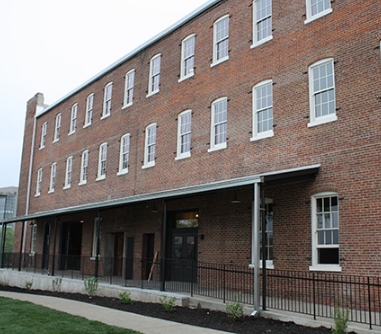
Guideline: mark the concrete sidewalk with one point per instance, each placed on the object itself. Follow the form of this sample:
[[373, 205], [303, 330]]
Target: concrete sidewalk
[[109, 316]]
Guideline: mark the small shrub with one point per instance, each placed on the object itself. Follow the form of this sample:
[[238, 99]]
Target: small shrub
[[168, 304], [234, 310], [28, 284], [340, 318], [91, 285], [57, 284], [125, 297]]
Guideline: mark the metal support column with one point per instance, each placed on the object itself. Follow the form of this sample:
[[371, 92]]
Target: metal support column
[[163, 248], [21, 244], [54, 246], [264, 240], [2, 243], [98, 246], [255, 248]]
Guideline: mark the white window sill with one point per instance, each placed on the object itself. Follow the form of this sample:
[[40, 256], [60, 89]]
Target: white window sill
[[153, 93], [105, 116], [82, 183], [318, 16], [183, 156], [37, 195], [323, 120], [51, 191], [149, 165], [71, 133], [325, 267], [186, 76], [262, 135], [262, 41], [215, 63], [86, 125], [67, 187], [41, 148], [92, 258], [218, 147], [122, 172], [127, 105], [269, 265], [55, 140], [100, 178]]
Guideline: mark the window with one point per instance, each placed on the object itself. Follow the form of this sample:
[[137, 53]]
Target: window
[[218, 124], [184, 135], [150, 146], [107, 100], [317, 9], [95, 239], [269, 234], [124, 154], [325, 232], [39, 181], [221, 40], [102, 162], [68, 174], [33, 241], [154, 76], [263, 110], [129, 88], [187, 57], [322, 92], [53, 171], [89, 110], [262, 25], [73, 118], [57, 128], [43, 135], [84, 167]]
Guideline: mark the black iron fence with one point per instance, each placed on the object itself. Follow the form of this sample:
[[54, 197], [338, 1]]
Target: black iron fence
[[311, 293]]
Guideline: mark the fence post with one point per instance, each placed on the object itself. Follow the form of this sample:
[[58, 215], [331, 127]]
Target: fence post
[[224, 285], [314, 294], [369, 304]]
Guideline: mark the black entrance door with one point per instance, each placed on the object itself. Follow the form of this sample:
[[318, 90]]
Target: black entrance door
[[184, 256], [46, 246], [71, 239]]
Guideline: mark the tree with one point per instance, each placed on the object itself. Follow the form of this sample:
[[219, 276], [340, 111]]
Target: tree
[[9, 237]]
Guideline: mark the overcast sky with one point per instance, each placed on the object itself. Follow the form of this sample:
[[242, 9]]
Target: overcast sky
[[53, 46]]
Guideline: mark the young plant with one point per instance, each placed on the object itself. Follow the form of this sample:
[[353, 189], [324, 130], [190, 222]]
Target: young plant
[[340, 318], [91, 285], [125, 297], [56, 282], [234, 310], [28, 284], [168, 304]]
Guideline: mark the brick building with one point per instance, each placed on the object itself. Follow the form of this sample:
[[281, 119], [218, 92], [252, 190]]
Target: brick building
[[171, 151]]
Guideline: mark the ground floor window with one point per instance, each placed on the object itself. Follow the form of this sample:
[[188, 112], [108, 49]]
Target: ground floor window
[[268, 233]]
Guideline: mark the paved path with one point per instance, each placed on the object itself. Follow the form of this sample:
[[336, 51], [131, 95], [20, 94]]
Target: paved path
[[109, 316]]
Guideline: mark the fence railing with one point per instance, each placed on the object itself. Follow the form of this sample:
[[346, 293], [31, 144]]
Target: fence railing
[[311, 293]]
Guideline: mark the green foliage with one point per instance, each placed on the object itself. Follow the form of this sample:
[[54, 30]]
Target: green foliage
[[56, 282], [9, 238], [91, 285], [168, 304], [234, 310], [125, 297], [28, 284], [341, 317], [18, 317]]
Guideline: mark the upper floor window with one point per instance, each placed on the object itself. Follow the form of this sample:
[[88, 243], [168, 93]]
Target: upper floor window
[[39, 182], [124, 154], [187, 57], [68, 174], [129, 88], [73, 118], [43, 134], [84, 167], [263, 110], [150, 146], [102, 162], [89, 110], [154, 75], [57, 128], [184, 134], [53, 171], [322, 92], [262, 25], [107, 100], [317, 9], [325, 232], [219, 124], [221, 40]]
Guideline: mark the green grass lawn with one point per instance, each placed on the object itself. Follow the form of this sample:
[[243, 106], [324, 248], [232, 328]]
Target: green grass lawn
[[18, 317]]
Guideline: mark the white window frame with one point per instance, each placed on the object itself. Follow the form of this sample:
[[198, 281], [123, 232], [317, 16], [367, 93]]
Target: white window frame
[[39, 182], [216, 125], [33, 241], [94, 243], [124, 154], [150, 146], [269, 263], [57, 128], [154, 72], [182, 132], [311, 17], [315, 265], [107, 99], [89, 110], [53, 173], [185, 57], [44, 129], [257, 20], [102, 162], [129, 89], [73, 118], [219, 40], [256, 135], [84, 168], [69, 172], [332, 116]]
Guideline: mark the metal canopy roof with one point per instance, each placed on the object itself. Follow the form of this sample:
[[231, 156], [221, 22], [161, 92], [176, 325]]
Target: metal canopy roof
[[270, 178]]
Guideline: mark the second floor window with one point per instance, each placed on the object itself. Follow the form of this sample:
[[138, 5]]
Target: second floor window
[[69, 169], [73, 119], [262, 21], [221, 40], [263, 110], [107, 100], [187, 57], [57, 128], [184, 134], [39, 182], [89, 109], [43, 134], [219, 124], [317, 8], [154, 75], [124, 154], [53, 171], [129, 88], [150, 146], [84, 167], [102, 161]]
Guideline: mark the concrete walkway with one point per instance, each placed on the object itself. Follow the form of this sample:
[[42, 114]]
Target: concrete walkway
[[109, 316]]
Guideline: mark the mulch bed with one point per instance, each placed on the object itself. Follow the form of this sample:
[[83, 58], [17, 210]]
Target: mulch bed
[[196, 317]]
